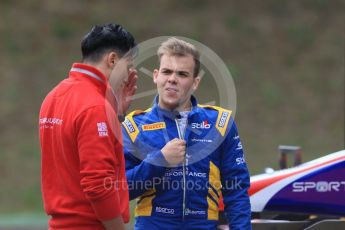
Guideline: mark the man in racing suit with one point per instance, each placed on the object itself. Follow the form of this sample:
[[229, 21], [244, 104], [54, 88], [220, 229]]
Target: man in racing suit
[[180, 156]]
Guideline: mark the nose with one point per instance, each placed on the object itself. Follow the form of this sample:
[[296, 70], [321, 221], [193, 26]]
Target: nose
[[172, 78]]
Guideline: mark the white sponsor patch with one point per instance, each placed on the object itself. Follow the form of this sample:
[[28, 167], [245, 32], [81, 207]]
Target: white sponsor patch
[[179, 172], [202, 140], [165, 210], [240, 160], [202, 125], [102, 129], [239, 146], [194, 212], [222, 119], [50, 120], [129, 125]]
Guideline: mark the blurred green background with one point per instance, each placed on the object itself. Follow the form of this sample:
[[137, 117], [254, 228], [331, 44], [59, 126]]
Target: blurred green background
[[286, 58]]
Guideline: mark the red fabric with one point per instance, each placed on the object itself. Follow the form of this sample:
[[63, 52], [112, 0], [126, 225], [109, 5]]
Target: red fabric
[[221, 203], [83, 168]]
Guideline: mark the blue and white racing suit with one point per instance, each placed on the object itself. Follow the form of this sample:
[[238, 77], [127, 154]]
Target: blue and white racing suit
[[186, 196]]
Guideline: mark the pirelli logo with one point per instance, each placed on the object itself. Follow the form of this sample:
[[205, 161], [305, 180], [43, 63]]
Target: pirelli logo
[[223, 119], [154, 126]]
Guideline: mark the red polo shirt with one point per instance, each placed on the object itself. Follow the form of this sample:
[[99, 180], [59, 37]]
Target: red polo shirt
[[83, 168]]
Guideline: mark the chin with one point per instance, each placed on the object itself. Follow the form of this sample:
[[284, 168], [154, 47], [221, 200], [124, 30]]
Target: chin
[[172, 104]]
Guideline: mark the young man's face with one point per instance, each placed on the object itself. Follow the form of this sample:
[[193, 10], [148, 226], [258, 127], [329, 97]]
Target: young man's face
[[175, 82]]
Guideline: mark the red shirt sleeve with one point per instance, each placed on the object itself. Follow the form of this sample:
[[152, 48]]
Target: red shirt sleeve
[[99, 167]]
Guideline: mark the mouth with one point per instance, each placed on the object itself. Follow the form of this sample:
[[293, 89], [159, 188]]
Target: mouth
[[169, 89]]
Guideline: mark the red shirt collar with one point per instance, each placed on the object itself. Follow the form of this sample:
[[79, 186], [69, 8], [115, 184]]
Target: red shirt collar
[[83, 71], [80, 69]]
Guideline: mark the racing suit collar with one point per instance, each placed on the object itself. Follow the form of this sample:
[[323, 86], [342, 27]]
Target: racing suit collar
[[173, 114]]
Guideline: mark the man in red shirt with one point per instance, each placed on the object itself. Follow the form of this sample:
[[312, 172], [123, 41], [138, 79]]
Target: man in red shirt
[[83, 175]]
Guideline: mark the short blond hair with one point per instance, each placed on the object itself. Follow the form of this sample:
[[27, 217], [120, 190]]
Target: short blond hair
[[177, 47]]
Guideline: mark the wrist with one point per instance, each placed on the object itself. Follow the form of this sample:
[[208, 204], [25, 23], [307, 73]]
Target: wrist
[[156, 158]]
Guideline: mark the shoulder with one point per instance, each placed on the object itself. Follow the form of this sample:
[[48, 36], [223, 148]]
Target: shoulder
[[213, 108], [220, 116], [137, 115], [75, 97], [81, 93], [216, 111], [132, 120], [89, 94]]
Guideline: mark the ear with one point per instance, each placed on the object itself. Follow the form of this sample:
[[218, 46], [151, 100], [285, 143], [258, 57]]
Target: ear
[[155, 75], [196, 83], [112, 58]]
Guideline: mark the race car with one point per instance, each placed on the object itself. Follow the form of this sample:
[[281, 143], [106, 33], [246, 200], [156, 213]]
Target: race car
[[307, 196]]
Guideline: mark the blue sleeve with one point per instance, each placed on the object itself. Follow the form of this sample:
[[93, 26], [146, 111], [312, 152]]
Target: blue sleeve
[[141, 174], [235, 181]]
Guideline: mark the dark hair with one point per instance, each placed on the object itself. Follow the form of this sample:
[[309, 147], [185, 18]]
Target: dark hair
[[105, 38]]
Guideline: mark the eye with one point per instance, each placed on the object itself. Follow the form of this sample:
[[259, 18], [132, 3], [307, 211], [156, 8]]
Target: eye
[[166, 71], [182, 74]]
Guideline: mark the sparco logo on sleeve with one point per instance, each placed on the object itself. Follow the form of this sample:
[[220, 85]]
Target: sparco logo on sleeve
[[129, 125], [223, 118], [165, 210]]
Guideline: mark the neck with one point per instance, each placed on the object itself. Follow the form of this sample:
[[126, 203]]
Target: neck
[[180, 108], [186, 107]]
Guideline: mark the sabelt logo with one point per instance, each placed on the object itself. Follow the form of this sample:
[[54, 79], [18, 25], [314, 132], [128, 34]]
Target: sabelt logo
[[154, 126], [203, 125], [319, 186], [129, 126], [223, 119], [194, 212]]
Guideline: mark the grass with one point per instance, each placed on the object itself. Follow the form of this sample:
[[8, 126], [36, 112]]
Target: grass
[[23, 219], [288, 69]]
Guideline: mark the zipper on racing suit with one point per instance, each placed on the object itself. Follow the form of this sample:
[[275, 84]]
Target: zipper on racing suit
[[181, 136]]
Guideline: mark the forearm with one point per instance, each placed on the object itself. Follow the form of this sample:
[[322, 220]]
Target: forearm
[[142, 177], [238, 213], [235, 181], [236, 199]]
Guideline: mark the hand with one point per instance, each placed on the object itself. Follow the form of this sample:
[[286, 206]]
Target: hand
[[174, 151], [128, 90]]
